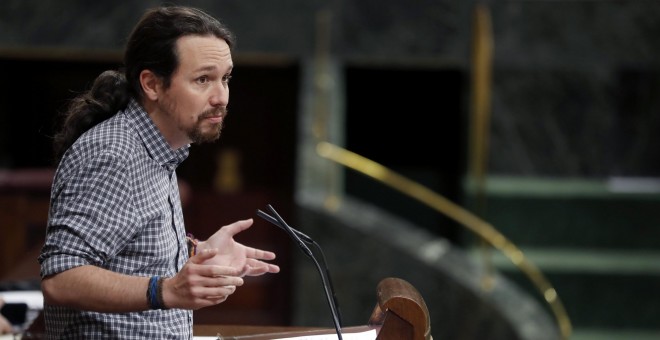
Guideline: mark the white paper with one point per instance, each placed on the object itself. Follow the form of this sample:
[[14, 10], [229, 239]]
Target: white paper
[[367, 335], [33, 298]]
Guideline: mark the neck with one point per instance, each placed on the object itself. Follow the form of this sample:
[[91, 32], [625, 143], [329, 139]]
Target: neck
[[165, 125]]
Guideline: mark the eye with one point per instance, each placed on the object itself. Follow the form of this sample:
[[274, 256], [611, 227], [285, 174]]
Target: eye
[[203, 79], [226, 78]]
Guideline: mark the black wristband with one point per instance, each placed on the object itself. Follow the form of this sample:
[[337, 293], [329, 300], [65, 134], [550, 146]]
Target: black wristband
[[159, 293]]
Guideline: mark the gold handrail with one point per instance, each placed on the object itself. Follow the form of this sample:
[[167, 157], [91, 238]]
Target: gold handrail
[[482, 65], [470, 221]]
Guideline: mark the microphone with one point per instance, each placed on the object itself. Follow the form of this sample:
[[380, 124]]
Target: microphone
[[301, 239], [307, 240], [276, 222]]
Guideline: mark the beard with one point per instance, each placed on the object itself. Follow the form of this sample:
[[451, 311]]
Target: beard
[[198, 134]]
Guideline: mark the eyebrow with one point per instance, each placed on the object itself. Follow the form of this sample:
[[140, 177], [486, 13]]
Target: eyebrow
[[212, 68]]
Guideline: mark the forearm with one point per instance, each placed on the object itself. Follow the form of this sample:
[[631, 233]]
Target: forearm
[[95, 289]]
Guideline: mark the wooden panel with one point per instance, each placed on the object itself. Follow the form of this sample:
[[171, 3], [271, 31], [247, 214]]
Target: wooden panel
[[24, 200]]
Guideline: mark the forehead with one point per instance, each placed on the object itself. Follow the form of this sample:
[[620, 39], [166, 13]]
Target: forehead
[[196, 51]]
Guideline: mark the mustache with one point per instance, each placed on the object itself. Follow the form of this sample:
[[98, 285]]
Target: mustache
[[219, 111]]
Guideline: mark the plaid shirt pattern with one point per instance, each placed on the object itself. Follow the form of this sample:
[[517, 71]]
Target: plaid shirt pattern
[[115, 204]]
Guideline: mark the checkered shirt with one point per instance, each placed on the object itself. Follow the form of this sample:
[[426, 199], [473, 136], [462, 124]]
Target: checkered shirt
[[115, 204]]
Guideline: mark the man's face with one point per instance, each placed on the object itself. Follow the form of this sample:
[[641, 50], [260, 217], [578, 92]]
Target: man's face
[[194, 107]]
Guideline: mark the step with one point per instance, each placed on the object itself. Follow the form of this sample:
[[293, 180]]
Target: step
[[609, 334], [611, 290], [618, 213]]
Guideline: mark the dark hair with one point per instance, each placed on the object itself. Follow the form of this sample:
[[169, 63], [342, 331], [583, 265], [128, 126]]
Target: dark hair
[[151, 46]]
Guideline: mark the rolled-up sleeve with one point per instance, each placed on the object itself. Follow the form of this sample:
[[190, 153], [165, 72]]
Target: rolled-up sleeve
[[91, 216]]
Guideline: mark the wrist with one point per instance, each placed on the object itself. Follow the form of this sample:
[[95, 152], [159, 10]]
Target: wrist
[[163, 292], [155, 298]]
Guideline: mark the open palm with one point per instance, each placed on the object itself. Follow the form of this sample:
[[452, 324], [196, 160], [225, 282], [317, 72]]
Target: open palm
[[234, 254]]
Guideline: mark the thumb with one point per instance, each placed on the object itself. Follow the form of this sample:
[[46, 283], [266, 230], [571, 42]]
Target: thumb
[[204, 255]]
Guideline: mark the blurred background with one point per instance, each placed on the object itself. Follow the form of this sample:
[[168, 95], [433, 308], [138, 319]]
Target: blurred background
[[536, 120]]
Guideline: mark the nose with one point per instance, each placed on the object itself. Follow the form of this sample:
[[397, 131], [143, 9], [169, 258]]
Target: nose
[[220, 94]]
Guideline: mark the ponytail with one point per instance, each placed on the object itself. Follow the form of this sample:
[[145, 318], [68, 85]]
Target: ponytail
[[108, 95]]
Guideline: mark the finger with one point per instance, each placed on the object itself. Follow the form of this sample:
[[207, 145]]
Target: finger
[[259, 254], [219, 281], [215, 293], [237, 227], [215, 271], [269, 267], [216, 287], [273, 268], [221, 291], [203, 255], [257, 268], [217, 299], [256, 271]]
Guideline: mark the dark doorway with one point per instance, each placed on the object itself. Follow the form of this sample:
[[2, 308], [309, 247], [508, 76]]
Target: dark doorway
[[409, 119]]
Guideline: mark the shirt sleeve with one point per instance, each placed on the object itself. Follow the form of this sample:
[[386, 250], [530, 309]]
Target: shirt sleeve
[[91, 216]]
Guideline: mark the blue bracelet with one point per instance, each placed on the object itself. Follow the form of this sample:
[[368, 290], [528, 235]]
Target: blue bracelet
[[152, 293]]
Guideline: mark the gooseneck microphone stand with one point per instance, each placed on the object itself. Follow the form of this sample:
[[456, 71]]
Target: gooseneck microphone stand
[[299, 237]]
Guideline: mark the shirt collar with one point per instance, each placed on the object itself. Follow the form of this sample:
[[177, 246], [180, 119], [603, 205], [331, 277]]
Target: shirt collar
[[153, 140]]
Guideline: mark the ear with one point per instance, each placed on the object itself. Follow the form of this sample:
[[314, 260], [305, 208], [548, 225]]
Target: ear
[[150, 85]]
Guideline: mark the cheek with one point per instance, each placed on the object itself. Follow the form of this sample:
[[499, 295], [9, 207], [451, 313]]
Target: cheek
[[189, 107]]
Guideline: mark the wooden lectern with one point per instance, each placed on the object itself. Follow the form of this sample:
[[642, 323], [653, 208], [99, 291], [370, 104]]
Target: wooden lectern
[[400, 314]]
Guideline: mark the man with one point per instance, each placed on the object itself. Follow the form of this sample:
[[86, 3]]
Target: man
[[117, 262], [5, 325]]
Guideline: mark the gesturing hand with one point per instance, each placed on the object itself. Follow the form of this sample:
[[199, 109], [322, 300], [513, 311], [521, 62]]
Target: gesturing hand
[[198, 285], [231, 253]]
